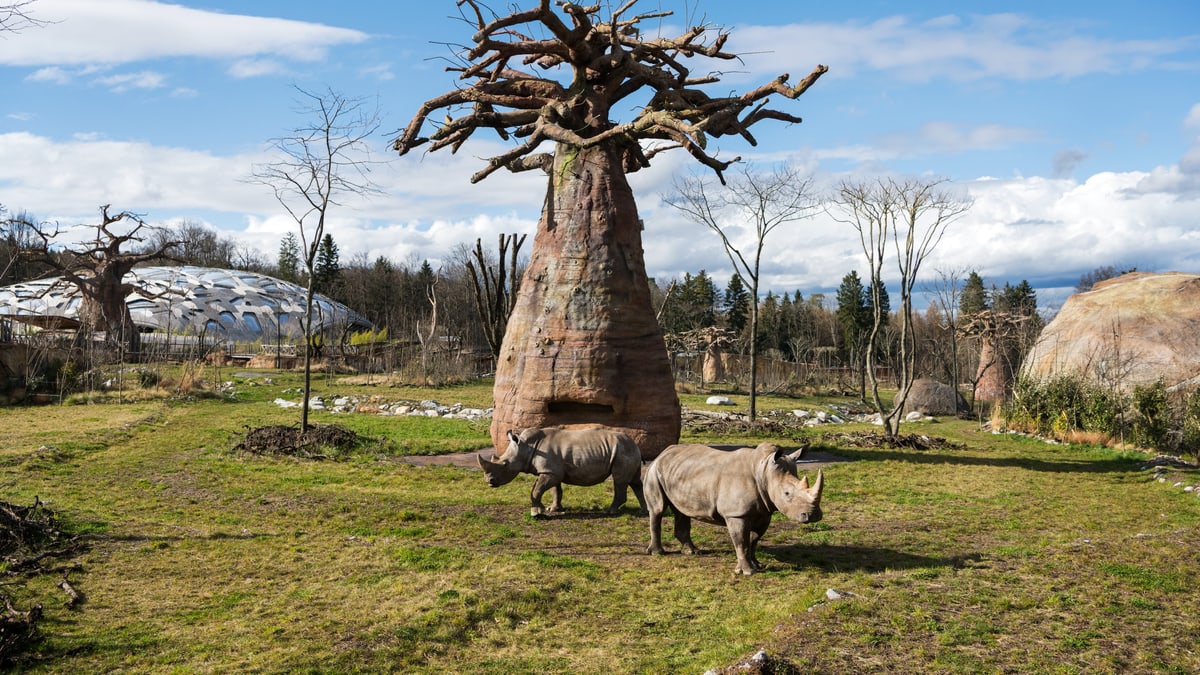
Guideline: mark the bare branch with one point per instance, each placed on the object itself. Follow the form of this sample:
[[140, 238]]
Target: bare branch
[[607, 61]]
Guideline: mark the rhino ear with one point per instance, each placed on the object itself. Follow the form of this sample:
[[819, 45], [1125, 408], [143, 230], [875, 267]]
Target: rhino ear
[[512, 436], [778, 457]]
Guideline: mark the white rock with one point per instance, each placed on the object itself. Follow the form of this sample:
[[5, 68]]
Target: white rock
[[284, 403], [719, 400], [802, 414], [913, 416]]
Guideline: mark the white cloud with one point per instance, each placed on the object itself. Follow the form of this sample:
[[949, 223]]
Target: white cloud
[[146, 79], [124, 31], [1004, 46]]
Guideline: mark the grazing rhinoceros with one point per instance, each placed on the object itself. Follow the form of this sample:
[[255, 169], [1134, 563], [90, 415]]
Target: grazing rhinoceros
[[739, 489], [571, 456]]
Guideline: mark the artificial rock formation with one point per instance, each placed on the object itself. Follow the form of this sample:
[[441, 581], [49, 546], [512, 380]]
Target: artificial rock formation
[[583, 345], [1124, 332], [930, 397]]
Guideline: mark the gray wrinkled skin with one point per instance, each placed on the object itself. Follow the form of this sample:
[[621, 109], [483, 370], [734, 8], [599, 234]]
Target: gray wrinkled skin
[[570, 456], [739, 489]]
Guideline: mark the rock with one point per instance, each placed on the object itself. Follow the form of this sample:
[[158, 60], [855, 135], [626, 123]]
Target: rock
[[719, 400], [1126, 331], [930, 397]]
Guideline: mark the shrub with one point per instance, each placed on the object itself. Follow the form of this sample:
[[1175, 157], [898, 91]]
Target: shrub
[[1151, 424]]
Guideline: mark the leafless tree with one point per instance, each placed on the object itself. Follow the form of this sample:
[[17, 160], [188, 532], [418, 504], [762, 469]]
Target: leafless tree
[[495, 284], [97, 270], [754, 199], [946, 292], [558, 73], [903, 219], [15, 16], [322, 161]]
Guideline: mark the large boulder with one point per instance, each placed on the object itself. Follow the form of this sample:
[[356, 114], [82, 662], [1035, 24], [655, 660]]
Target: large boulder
[[1124, 332], [930, 397]]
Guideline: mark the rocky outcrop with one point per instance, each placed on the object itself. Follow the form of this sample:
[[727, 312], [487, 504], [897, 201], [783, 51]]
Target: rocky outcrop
[[1124, 332], [930, 397]]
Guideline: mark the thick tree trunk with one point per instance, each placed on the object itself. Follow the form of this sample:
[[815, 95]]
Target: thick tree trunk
[[995, 376], [103, 308], [583, 345]]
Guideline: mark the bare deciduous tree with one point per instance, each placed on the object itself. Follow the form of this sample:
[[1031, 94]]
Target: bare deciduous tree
[[320, 162], [15, 16], [752, 200], [559, 73], [905, 220], [495, 285]]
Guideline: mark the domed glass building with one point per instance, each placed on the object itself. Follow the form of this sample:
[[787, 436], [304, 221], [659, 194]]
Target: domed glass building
[[218, 304]]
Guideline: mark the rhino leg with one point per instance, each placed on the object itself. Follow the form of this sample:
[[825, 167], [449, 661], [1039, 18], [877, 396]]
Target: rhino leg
[[543, 483], [641, 497], [756, 533], [683, 532], [655, 504], [619, 496], [742, 536]]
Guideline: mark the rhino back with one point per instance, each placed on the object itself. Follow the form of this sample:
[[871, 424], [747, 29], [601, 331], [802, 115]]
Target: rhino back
[[583, 456], [707, 483]]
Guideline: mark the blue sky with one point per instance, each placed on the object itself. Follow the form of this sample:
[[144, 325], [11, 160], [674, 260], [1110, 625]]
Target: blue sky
[[1074, 126]]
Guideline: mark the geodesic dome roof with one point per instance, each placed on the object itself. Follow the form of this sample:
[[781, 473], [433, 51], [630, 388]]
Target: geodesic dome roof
[[218, 303]]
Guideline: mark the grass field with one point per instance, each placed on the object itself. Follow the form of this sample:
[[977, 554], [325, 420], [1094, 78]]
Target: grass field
[[995, 554]]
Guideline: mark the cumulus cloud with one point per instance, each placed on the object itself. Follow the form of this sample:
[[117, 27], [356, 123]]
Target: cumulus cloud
[[124, 31]]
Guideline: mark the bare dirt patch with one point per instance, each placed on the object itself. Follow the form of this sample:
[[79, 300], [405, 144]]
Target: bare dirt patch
[[319, 441]]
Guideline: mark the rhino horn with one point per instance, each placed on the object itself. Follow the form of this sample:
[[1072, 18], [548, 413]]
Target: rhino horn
[[804, 482], [816, 488]]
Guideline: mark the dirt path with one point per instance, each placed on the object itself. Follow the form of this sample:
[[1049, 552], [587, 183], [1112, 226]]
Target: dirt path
[[812, 460]]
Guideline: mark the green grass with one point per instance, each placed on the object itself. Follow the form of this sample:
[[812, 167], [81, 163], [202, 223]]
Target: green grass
[[1007, 555]]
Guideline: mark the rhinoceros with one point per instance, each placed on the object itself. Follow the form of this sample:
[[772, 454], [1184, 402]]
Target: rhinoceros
[[571, 456], [739, 489]]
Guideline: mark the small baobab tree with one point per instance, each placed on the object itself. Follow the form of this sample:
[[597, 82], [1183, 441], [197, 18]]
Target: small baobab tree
[[582, 344], [319, 163], [97, 270]]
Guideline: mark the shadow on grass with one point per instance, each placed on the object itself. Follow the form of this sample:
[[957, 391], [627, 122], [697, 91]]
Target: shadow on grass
[[859, 558], [1081, 465]]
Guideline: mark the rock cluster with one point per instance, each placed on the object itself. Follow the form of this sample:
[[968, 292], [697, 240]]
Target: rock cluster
[[378, 405]]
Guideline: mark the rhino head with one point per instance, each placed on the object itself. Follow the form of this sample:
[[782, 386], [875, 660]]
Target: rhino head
[[501, 469], [793, 496]]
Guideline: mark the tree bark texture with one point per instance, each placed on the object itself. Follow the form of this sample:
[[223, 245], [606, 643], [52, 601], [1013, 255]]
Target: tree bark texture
[[995, 377], [582, 344]]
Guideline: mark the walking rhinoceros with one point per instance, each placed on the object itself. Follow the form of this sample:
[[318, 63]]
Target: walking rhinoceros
[[571, 456], [739, 489]]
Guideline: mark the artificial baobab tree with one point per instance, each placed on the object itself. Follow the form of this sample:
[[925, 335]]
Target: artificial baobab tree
[[97, 269], [582, 344]]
